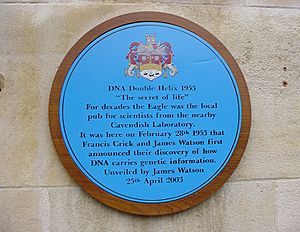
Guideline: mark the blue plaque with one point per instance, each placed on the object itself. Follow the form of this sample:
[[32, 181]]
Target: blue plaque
[[150, 112]]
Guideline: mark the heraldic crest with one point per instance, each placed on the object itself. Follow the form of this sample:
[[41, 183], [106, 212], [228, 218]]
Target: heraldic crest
[[150, 60]]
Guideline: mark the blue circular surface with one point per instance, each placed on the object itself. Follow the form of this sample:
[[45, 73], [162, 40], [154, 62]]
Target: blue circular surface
[[143, 138]]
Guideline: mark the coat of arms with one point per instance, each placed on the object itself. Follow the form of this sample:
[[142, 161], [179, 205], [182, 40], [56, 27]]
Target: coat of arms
[[150, 60]]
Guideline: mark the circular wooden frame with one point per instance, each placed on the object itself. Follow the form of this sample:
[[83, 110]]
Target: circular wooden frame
[[98, 193]]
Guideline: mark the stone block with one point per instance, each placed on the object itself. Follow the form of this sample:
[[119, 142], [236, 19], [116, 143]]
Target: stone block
[[24, 210], [288, 205]]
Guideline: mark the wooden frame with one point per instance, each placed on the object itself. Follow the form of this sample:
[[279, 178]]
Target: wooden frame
[[95, 191]]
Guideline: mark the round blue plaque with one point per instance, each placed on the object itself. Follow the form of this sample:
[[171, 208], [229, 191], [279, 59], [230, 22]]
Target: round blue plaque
[[150, 112]]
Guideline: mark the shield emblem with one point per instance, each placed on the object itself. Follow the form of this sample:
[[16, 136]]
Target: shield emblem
[[149, 60]]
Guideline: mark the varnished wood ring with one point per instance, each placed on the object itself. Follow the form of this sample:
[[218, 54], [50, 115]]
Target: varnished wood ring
[[91, 188]]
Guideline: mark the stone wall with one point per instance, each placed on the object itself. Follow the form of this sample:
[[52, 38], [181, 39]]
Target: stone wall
[[36, 192]]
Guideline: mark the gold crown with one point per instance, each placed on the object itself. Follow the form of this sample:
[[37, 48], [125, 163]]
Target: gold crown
[[150, 66]]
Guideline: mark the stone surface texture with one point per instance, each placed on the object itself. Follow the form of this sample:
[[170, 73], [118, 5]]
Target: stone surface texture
[[36, 192]]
